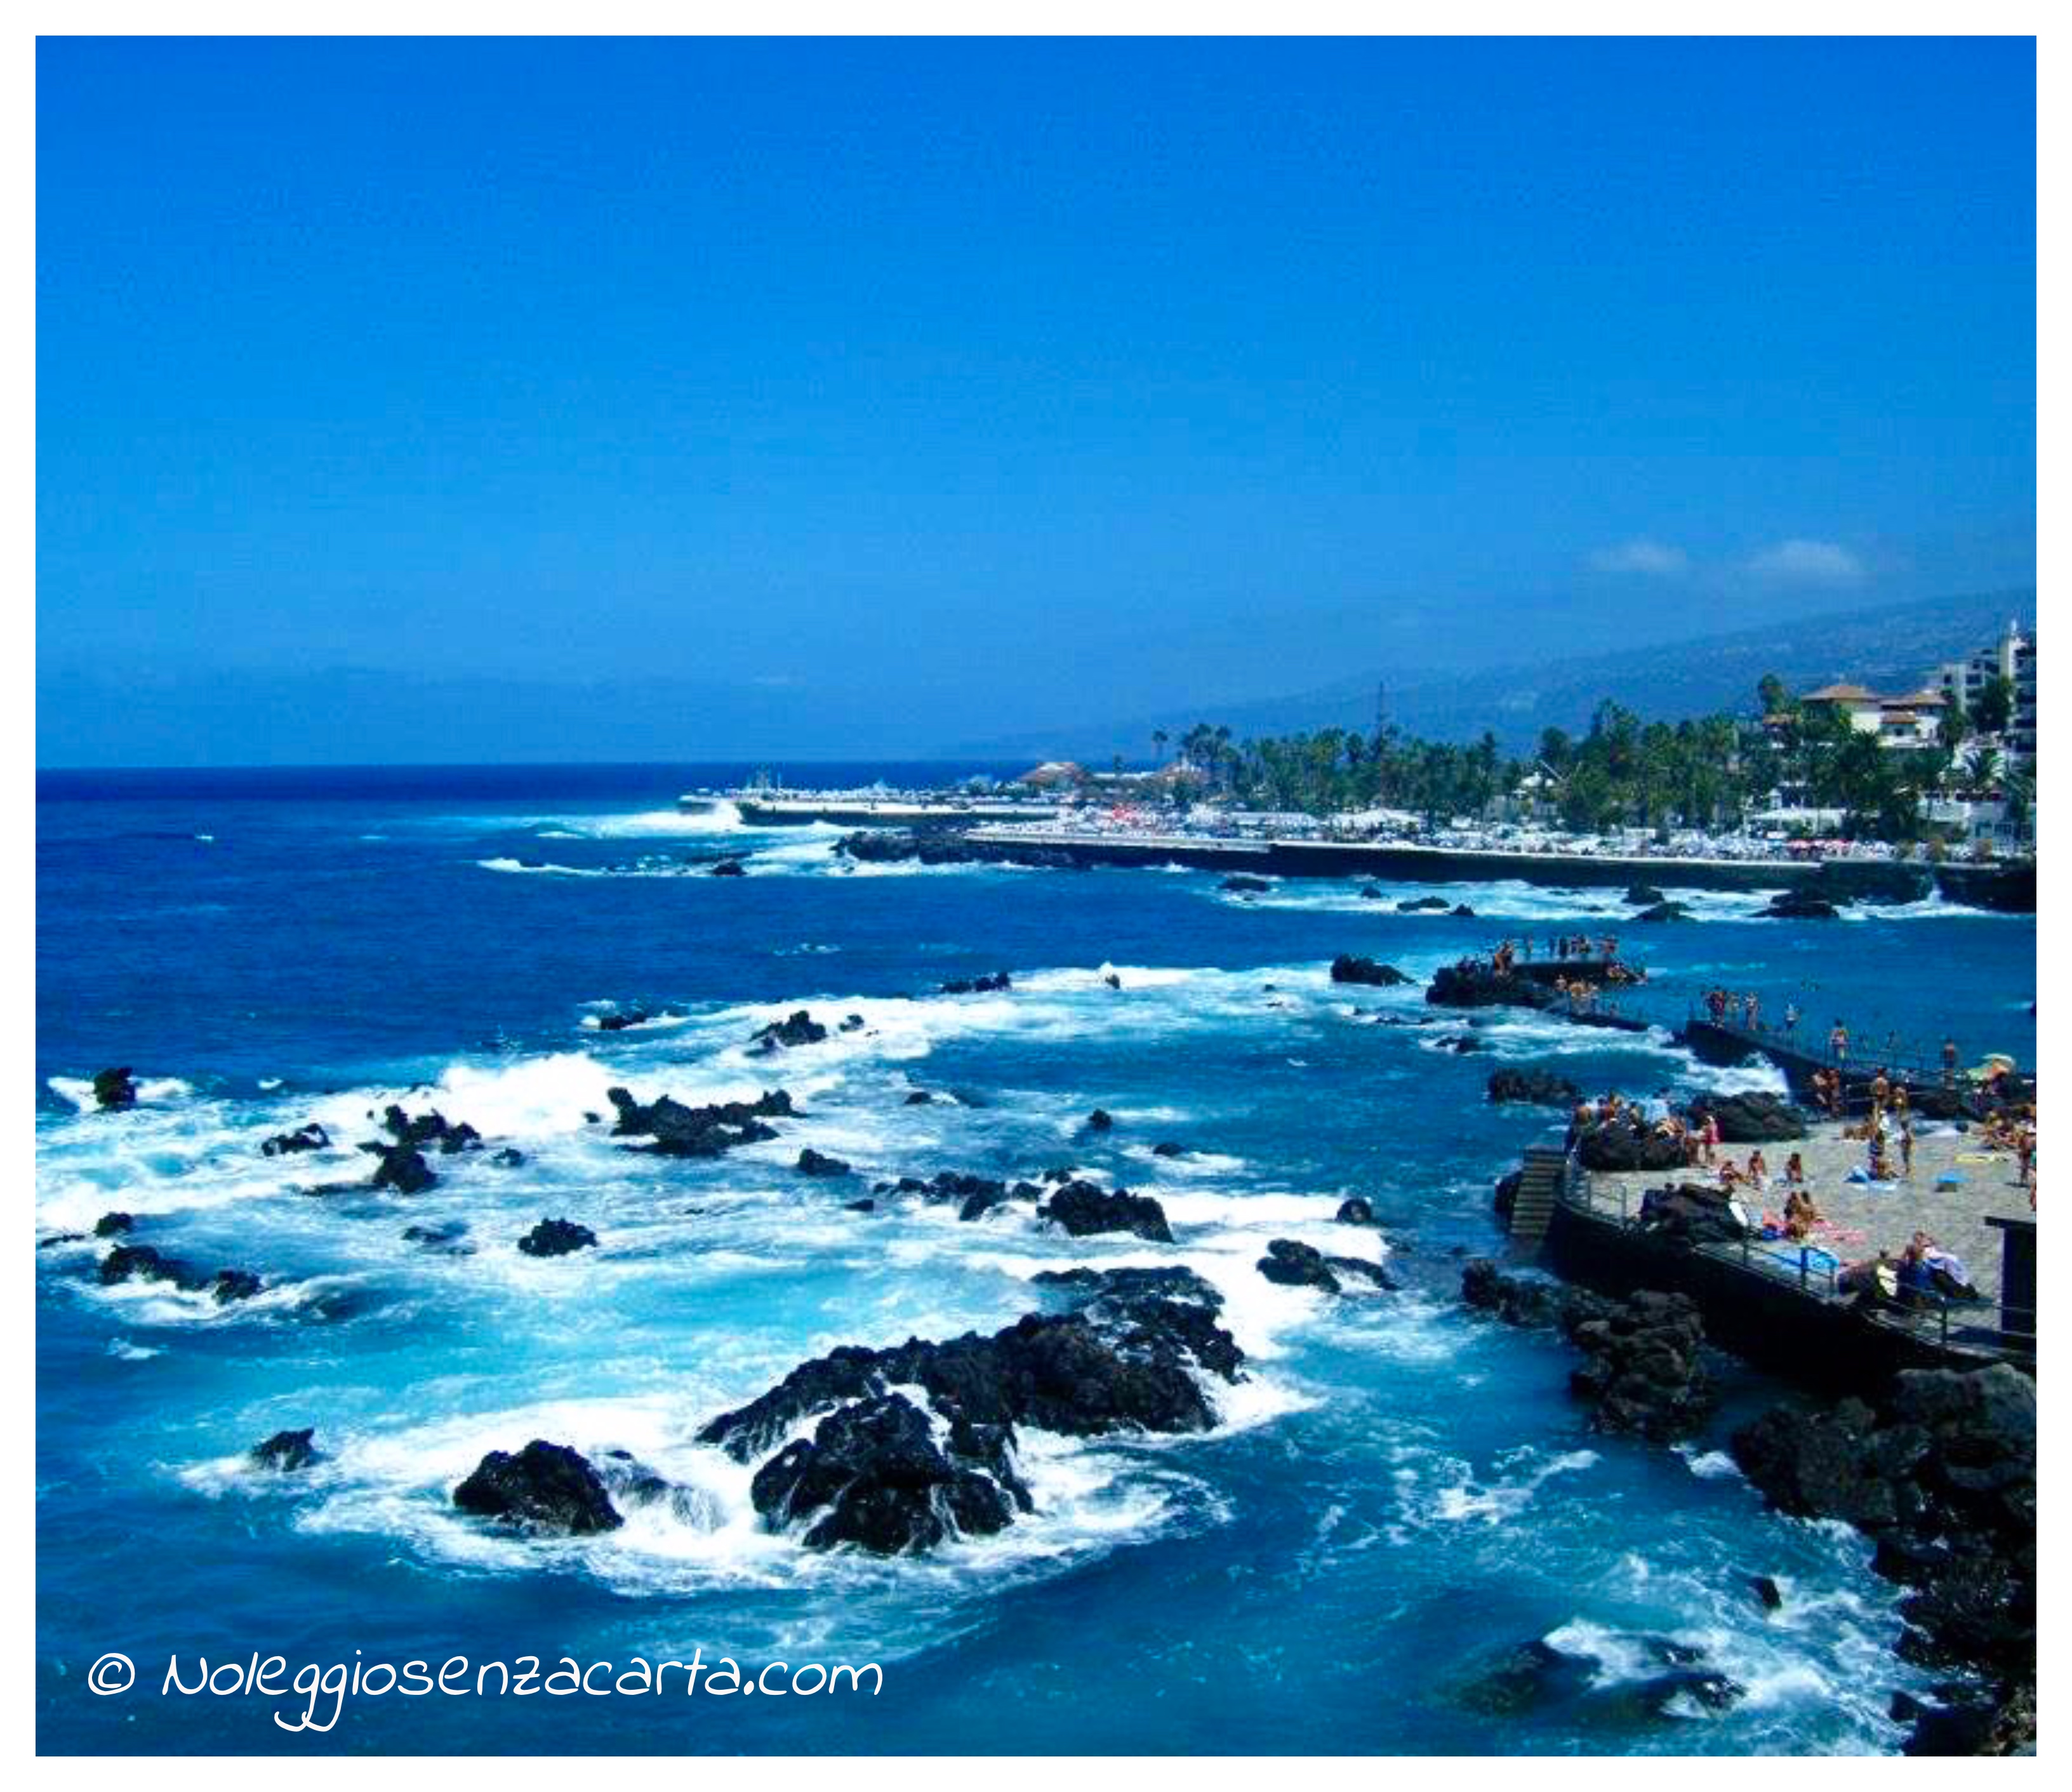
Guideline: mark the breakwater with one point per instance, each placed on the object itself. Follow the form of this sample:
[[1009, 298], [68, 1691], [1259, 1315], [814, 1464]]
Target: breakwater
[[2010, 888]]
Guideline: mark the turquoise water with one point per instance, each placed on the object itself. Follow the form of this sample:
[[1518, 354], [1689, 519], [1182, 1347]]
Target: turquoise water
[[1398, 1495]]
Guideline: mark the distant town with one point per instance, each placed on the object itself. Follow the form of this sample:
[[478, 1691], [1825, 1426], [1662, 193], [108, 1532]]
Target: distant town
[[1945, 769]]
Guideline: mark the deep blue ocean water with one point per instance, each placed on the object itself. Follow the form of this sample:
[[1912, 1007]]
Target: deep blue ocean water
[[1399, 1494]]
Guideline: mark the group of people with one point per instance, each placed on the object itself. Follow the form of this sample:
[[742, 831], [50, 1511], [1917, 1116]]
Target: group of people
[[1743, 1009], [1573, 945], [1924, 1271]]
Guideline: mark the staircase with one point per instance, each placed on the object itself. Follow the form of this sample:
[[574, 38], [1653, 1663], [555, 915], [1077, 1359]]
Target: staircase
[[1538, 1188]]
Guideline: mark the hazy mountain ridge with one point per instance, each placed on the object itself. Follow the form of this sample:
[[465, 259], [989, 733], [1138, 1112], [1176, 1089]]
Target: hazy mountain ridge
[[1893, 646]]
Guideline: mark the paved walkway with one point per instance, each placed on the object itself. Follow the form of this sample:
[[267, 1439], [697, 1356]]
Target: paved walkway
[[1862, 1219]]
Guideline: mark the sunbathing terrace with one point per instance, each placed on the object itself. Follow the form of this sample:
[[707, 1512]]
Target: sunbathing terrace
[[1776, 1300]]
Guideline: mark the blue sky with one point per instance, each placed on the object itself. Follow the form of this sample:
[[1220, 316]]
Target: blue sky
[[890, 392]]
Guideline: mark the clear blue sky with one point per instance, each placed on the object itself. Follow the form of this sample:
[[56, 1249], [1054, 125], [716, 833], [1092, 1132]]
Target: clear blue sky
[[892, 393]]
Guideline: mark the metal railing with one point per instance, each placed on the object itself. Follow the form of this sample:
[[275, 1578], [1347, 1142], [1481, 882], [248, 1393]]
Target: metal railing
[[1816, 1271]]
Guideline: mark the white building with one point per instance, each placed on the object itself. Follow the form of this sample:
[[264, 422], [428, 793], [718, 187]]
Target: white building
[[2012, 656]]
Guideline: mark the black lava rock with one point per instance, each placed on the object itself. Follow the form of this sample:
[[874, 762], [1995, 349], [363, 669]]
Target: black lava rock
[[1542, 1088], [544, 1487], [1345, 968], [797, 1028], [1081, 1209], [114, 1090], [678, 1131], [557, 1238], [286, 1451], [817, 1163]]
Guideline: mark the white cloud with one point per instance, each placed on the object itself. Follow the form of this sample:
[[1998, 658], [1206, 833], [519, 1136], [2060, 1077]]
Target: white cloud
[[1804, 562], [1656, 559]]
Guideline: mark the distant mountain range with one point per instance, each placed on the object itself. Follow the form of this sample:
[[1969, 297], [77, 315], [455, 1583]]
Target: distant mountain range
[[1896, 646]]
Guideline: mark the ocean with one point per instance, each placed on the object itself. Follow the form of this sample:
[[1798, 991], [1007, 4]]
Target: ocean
[[1398, 1497]]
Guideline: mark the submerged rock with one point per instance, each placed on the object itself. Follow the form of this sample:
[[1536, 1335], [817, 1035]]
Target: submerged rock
[[1242, 883], [1099, 1120], [729, 867], [1355, 1210], [544, 1487], [233, 1284], [286, 1451], [1644, 895], [113, 1225], [309, 1137], [997, 982]]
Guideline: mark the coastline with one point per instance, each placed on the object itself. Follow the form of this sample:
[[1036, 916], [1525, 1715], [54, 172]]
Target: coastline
[[2008, 888]]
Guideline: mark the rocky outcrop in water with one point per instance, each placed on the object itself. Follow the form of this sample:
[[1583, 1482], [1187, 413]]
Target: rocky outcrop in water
[[1535, 1677], [872, 1474], [894, 847], [1663, 911], [1797, 904], [728, 868], [286, 1451], [1756, 1118], [1942, 1473], [678, 1131], [402, 1168], [818, 1163], [1541, 1088], [141, 1263], [308, 1138], [115, 1090], [998, 983], [557, 1238], [546, 1487], [797, 1028], [1643, 896], [1644, 1374], [114, 1225], [975, 1196], [1296, 1265], [1345, 968], [1242, 883], [1081, 1209], [625, 1017], [1355, 1210], [1424, 905], [877, 1474]]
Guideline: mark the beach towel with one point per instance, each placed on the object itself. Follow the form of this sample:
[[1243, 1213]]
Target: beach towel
[[1952, 1179]]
